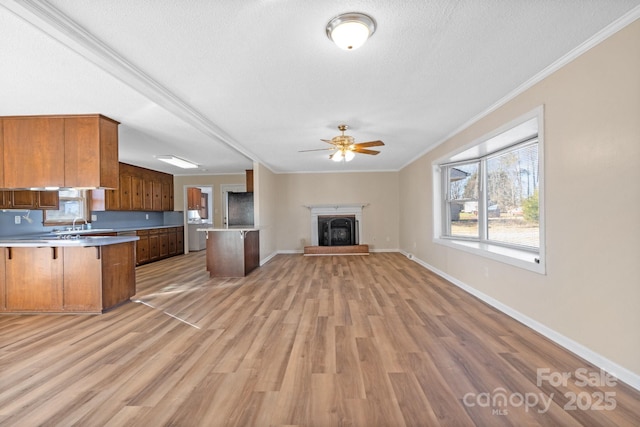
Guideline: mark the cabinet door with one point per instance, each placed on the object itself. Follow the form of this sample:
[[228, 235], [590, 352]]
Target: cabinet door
[[194, 197], [172, 241], [249, 180], [164, 244], [148, 194], [137, 193], [3, 256], [34, 289], [167, 203], [125, 192], [5, 199], [142, 248], [91, 152], [154, 246], [23, 199], [157, 195], [48, 200], [82, 279], [180, 240], [33, 152], [112, 200], [2, 154]]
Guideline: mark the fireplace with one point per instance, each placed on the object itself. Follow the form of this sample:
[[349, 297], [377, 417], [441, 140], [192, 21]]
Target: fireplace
[[340, 230], [340, 223]]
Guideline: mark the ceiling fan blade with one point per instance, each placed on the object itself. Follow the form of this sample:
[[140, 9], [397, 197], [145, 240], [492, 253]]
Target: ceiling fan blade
[[370, 144], [316, 149], [364, 151]]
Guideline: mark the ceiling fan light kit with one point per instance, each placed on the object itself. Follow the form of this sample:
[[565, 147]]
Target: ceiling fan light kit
[[346, 148], [351, 30]]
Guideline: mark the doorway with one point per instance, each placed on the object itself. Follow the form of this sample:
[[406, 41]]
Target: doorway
[[198, 213]]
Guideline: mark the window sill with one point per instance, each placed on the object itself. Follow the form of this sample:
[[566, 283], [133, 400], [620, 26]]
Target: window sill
[[516, 257]]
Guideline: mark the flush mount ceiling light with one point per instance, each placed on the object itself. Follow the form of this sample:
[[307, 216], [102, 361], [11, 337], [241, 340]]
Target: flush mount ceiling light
[[177, 161], [351, 30]]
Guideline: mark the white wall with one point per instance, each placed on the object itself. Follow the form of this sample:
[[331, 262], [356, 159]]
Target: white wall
[[380, 218], [266, 204], [591, 292]]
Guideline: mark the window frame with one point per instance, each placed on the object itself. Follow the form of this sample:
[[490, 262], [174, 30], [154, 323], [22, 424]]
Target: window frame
[[513, 135], [83, 199]]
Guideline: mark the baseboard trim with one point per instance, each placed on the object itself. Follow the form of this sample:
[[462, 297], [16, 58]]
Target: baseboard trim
[[621, 373]]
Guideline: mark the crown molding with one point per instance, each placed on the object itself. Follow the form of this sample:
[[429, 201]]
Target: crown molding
[[596, 39]]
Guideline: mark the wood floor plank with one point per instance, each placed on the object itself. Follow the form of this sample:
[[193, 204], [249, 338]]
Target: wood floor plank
[[302, 341]]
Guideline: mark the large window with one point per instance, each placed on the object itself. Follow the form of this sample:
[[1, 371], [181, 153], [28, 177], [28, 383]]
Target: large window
[[488, 195]]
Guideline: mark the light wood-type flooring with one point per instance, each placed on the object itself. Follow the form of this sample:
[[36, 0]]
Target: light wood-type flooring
[[302, 341]]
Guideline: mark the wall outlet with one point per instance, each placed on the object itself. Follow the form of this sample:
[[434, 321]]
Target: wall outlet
[[146, 216], [94, 217], [17, 219]]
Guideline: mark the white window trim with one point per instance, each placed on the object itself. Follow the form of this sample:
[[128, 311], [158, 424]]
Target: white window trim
[[528, 260]]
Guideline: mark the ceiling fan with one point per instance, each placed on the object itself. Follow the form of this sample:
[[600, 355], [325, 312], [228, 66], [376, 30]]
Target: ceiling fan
[[345, 147]]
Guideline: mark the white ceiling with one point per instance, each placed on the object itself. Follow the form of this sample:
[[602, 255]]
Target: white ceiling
[[227, 82]]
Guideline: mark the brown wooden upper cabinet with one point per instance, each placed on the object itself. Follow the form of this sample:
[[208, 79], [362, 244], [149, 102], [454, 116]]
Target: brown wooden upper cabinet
[[59, 151], [2, 158], [91, 152], [33, 152], [140, 189], [249, 178], [194, 198], [25, 199]]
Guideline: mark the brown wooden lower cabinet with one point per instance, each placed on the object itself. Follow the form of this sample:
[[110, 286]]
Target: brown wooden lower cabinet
[[154, 245], [142, 247], [34, 279], [159, 243], [67, 279], [164, 243]]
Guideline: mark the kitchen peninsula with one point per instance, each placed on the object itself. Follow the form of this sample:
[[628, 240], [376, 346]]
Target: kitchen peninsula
[[233, 251], [82, 275]]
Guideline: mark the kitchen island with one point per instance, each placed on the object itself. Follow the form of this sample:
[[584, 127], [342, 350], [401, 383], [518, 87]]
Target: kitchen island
[[233, 251], [80, 275]]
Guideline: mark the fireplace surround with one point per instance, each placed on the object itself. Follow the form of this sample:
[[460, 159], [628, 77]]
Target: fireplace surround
[[344, 219]]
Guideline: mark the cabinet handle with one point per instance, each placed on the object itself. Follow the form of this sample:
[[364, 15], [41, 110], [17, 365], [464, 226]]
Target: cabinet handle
[[54, 252], [9, 253], [98, 252]]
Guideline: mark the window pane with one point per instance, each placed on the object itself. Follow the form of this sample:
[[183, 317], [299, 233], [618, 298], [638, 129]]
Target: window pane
[[73, 205], [512, 197], [463, 199]]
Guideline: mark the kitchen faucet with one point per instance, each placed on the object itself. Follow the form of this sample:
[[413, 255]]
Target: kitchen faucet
[[73, 224]]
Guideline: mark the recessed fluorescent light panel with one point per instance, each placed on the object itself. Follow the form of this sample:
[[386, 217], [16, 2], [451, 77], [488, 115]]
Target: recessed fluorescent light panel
[[177, 161]]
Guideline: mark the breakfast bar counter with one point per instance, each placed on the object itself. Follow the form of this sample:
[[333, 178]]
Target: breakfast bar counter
[[82, 275], [233, 251]]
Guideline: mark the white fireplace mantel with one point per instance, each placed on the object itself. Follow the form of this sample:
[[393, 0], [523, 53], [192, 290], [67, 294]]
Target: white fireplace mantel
[[334, 209]]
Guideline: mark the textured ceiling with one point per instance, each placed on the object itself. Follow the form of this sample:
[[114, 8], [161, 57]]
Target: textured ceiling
[[225, 83]]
